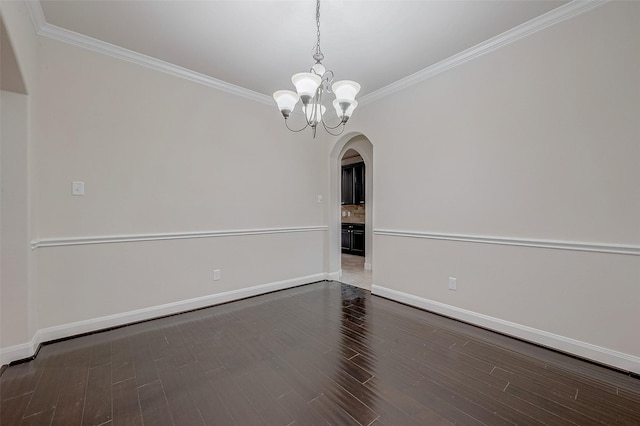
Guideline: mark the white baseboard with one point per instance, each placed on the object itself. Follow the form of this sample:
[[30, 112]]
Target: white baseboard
[[27, 350], [13, 353], [586, 350], [334, 276]]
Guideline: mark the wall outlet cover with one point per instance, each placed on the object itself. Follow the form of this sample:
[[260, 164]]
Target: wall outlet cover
[[452, 283]]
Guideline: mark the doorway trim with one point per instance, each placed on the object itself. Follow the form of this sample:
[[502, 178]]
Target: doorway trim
[[363, 146]]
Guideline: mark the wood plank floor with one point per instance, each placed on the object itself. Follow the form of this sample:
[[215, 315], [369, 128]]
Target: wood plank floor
[[324, 353]]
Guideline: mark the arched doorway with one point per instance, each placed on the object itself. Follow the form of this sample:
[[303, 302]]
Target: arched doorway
[[351, 144]]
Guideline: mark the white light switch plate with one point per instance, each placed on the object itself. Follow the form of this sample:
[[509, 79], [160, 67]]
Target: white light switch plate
[[77, 188]]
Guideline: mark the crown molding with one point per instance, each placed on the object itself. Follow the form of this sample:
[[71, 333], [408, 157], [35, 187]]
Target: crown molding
[[555, 16], [70, 37], [36, 14]]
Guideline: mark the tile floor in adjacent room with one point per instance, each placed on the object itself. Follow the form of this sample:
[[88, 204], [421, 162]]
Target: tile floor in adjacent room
[[353, 272]]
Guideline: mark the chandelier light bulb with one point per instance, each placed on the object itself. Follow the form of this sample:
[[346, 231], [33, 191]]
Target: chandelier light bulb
[[349, 111], [344, 108], [345, 89], [306, 85], [286, 100], [314, 113]]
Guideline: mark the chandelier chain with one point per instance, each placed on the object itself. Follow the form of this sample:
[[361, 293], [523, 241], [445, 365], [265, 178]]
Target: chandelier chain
[[318, 27]]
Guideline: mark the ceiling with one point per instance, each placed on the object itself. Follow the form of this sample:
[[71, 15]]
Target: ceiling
[[258, 45]]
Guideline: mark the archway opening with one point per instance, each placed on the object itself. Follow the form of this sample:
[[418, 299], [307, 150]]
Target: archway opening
[[351, 220]]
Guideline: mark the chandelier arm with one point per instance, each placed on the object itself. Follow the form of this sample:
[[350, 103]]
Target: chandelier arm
[[316, 103], [286, 123], [328, 129], [328, 77], [327, 126], [309, 117]]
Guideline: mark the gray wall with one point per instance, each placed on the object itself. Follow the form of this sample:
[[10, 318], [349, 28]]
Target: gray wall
[[482, 168]]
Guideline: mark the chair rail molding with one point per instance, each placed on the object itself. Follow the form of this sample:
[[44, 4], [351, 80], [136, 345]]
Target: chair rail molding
[[625, 249], [126, 238]]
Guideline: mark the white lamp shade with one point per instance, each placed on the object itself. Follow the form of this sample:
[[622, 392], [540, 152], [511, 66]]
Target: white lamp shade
[[352, 107], [286, 99], [306, 83], [345, 89], [344, 107], [314, 118]]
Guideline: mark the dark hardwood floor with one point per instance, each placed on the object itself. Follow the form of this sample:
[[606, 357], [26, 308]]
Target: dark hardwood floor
[[324, 353]]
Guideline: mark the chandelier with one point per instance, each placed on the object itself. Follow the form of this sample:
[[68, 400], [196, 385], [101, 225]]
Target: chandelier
[[311, 88]]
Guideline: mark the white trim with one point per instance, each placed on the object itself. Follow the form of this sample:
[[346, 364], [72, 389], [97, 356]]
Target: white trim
[[14, 353], [66, 36], [562, 13], [606, 356], [555, 16], [334, 276], [627, 249], [126, 238], [35, 12], [26, 350]]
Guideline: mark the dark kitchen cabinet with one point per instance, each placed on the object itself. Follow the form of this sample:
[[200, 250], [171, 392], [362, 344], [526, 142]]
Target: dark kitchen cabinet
[[347, 185], [357, 242], [346, 239], [353, 176], [358, 183], [353, 238]]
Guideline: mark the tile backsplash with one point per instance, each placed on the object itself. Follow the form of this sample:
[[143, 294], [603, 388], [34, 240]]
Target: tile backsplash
[[353, 213]]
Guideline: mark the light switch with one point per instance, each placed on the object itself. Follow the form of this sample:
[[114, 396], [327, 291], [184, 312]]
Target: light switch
[[77, 188], [319, 199]]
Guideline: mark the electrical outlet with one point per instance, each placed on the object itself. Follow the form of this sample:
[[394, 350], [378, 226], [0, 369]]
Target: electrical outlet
[[217, 275], [452, 283]]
